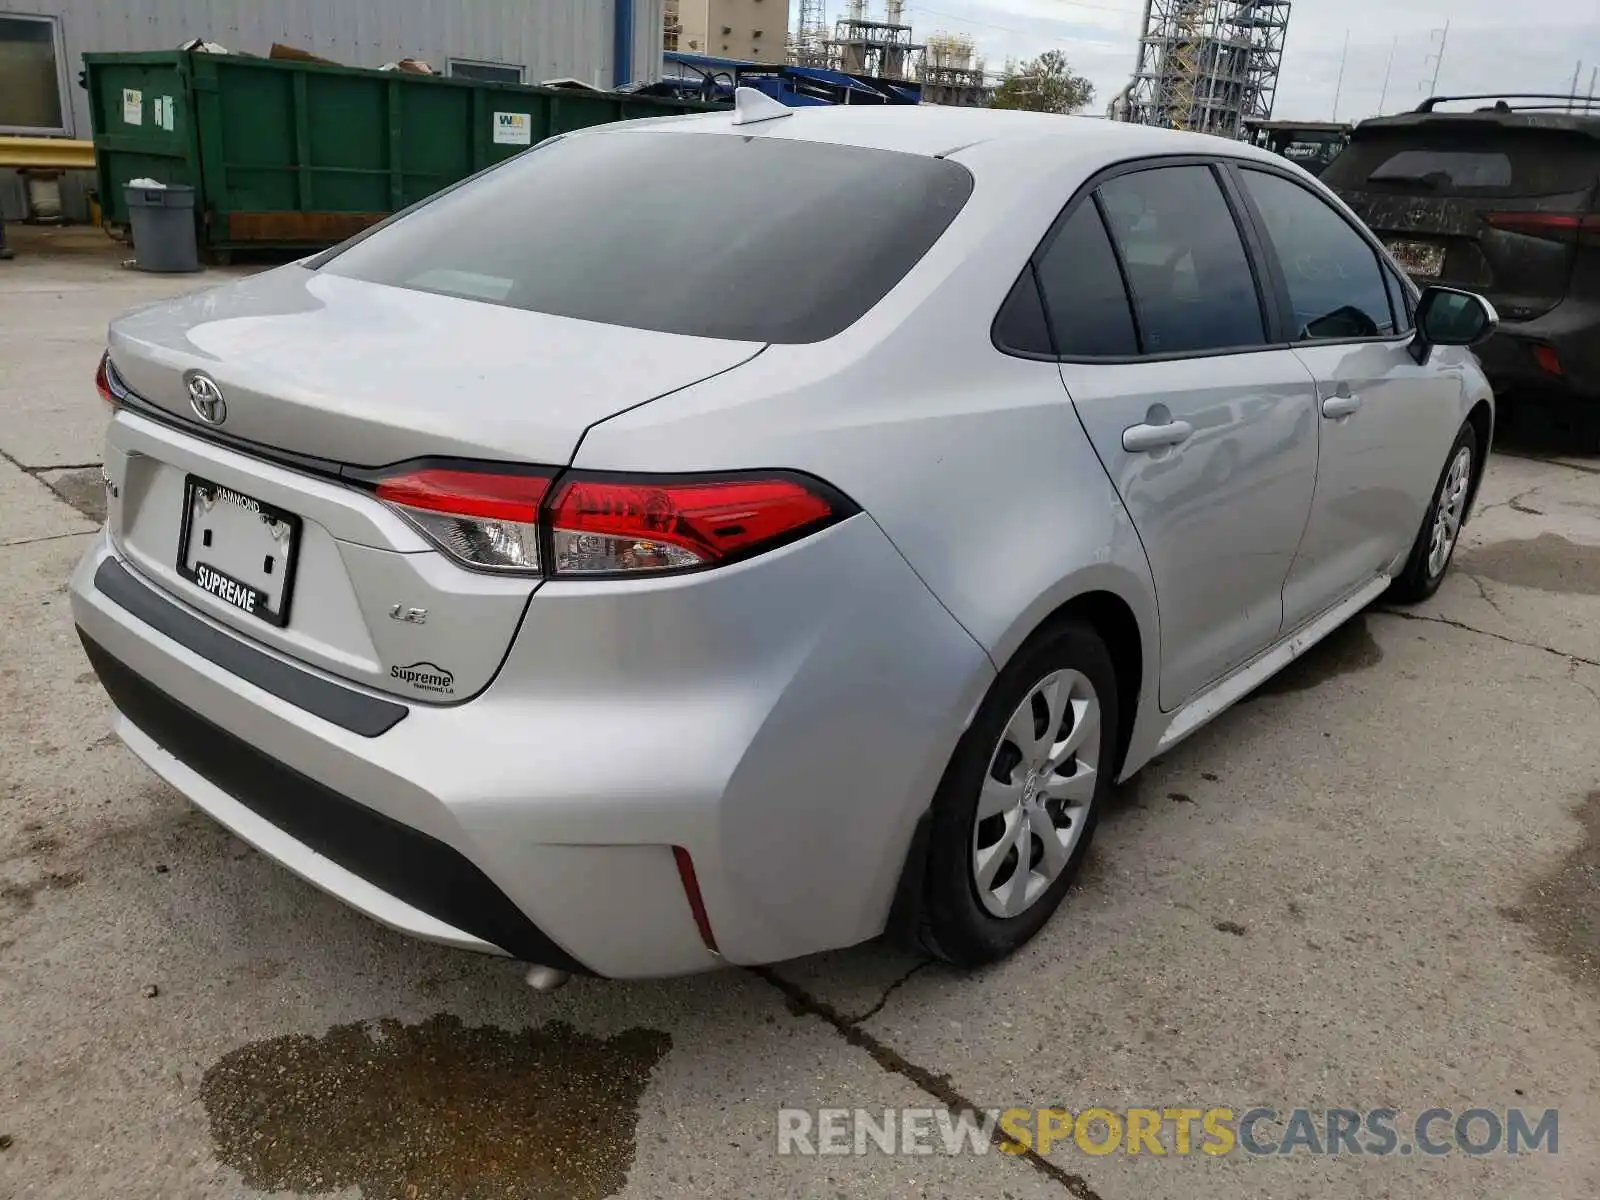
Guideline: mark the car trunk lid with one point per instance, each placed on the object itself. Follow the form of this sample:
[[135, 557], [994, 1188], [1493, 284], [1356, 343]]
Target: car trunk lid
[[266, 522], [1475, 201], [312, 363]]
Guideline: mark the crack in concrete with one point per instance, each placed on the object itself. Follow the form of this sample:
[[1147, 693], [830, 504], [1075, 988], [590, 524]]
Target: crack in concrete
[[1572, 676], [889, 991], [1411, 616], [1515, 502], [1483, 591], [48, 537], [802, 1003], [37, 471]]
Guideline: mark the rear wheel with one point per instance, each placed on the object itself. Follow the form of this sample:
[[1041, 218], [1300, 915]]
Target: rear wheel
[[1441, 525], [1018, 804]]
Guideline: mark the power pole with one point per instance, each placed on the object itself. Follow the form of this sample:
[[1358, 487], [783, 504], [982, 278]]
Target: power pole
[[1573, 91], [1384, 95], [1438, 59], [1339, 83]]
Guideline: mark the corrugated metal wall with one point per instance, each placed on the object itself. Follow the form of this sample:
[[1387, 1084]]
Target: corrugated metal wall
[[550, 38]]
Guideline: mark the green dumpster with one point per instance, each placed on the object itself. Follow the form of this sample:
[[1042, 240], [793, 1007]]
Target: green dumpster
[[299, 155]]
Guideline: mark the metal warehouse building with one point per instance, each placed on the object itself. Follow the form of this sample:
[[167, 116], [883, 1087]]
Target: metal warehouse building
[[42, 42]]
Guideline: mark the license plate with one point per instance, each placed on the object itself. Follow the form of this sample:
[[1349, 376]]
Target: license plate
[[1419, 258], [239, 549]]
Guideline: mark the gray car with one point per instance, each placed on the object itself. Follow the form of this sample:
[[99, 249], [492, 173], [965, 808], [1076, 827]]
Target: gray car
[[724, 538]]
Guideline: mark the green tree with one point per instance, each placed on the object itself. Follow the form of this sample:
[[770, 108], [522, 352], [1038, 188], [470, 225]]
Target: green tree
[[1046, 84]]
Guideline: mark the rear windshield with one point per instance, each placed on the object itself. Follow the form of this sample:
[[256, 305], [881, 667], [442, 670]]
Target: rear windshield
[[714, 235], [1467, 160]]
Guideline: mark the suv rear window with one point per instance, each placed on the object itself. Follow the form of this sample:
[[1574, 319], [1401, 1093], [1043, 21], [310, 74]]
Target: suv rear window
[[714, 235], [1470, 159]]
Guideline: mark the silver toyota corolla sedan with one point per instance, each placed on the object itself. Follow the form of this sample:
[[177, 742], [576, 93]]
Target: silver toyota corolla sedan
[[724, 538]]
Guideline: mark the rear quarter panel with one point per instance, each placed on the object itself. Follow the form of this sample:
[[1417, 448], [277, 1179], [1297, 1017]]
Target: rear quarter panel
[[971, 461]]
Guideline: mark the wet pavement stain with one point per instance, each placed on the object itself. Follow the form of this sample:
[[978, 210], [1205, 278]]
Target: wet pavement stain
[[81, 487], [434, 1111], [1562, 910], [1349, 648], [1548, 563]]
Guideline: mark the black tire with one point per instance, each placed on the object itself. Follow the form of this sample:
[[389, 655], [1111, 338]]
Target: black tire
[[955, 925], [1416, 582]]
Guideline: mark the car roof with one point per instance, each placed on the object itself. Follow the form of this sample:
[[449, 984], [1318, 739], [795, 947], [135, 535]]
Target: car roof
[[950, 131]]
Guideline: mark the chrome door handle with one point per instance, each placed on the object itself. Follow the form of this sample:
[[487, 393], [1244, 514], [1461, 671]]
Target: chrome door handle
[[1136, 438], [1340, 406]]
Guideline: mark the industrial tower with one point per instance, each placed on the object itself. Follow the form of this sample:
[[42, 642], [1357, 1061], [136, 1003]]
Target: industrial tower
[[1206, 65], [811, 34], [862, 46], [951, 72]]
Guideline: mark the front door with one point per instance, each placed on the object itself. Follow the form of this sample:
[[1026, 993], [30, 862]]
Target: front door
[[1379, 414]]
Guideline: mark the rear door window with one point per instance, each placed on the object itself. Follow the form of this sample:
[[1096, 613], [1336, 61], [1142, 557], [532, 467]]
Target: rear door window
[[1336, 286], [1192, 286], [1083, 291], [758, 239]]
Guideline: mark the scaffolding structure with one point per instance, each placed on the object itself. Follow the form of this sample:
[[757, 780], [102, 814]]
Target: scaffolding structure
[[811, 35], [951, 73], [883, 49], [1206, 65]]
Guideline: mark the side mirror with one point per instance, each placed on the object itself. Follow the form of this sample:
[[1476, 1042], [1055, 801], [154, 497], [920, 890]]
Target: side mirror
[[1449, 317]]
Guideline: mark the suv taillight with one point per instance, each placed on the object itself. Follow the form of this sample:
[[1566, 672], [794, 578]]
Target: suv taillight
[[1556, 227], [526, 521]]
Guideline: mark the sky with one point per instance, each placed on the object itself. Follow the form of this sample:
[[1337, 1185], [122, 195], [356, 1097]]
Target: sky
[[1493, 45]]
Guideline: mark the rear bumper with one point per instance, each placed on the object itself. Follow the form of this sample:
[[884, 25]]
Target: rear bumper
[[784, 720], [1571, 330]]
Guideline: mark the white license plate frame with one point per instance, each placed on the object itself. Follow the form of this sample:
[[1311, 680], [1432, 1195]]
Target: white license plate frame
[[242, 596]]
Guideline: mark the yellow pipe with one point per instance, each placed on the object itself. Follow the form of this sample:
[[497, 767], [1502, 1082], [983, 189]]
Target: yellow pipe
[[46, 154]]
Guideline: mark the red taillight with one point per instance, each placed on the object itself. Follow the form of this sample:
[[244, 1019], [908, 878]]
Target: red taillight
[[1556, 226], [697, 904], [497, 518], [605, 526], [102, 381], [487, 519], [485, 494], [1547, 358]]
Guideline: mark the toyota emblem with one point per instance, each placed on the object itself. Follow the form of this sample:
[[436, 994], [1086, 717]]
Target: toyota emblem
[[205, 397]]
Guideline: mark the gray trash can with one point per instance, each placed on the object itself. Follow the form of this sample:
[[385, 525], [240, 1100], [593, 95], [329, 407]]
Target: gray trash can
[[163, 228]]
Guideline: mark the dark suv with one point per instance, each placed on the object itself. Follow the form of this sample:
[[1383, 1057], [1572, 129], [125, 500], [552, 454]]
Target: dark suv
[[1503, 200]]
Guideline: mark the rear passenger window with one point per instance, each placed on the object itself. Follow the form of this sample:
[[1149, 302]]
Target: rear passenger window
[[1186, 264], [1335, 286], [1020, 326], [1083, 294]]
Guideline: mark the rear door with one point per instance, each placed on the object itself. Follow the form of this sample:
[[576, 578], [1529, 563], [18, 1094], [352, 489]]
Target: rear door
[[1207, 430], [1459, 199], [1384, 422]]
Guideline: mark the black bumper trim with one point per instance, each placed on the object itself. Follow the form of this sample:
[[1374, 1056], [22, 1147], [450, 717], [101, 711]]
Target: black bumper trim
[[408, 864], [345, 707]]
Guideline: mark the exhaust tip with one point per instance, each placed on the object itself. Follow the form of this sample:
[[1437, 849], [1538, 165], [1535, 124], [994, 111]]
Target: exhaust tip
[[546, 979]]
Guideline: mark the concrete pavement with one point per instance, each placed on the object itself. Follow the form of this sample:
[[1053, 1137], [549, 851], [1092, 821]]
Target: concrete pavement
[[1375, 884]]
